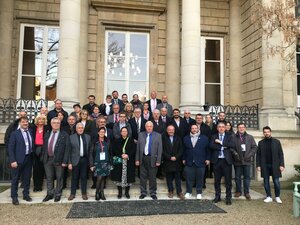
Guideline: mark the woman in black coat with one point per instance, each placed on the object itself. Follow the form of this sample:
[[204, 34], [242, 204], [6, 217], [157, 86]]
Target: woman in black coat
[[123, 152]]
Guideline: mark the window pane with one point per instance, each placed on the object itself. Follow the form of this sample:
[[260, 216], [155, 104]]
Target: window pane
[[139, 88], [138, 45], [116, 44], [115, 68], [31, 88], [33, 38], [138, 69], [53, 38], [212, 72], [212, 50], [32, 63], [116, 85], [212, 94]]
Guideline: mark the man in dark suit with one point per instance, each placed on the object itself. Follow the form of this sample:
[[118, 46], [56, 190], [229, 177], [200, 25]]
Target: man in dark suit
[[164, 116], [187, 116], [116, 100], [270, 162], [196, 156], [114, 117], [58, 107], [158, 125], [153, 101], [55, 158], [80, 146], [120, 124], [164, 104], [172, 154], [106, 108], [20, 148], [70, 128], [90, 106], [221, 156], [181, 127], [137, 124], [148, 157]]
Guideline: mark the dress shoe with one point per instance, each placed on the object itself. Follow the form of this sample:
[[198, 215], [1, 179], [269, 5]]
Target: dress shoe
[[180, 196], [228, 201], [127, 192], [142, 196], [204, 186], [248, 197], [97, 196], [216, 200], [237, 194], [85, 197], [154, 197], [15, 201], [102, 197], [93, 186], [170, 194], [47, 198], [119, 192], [71, 197], [27, 198], [57, 199], [37, 189]]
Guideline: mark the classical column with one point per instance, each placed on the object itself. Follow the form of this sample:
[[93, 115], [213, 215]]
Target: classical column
[[273, 112], [83, 57], [6, 36], [69, 45], [190, 56], [235, 53], [173, 53]]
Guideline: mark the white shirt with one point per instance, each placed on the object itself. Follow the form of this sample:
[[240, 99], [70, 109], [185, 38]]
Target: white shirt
[[27, 142], [81, 146]]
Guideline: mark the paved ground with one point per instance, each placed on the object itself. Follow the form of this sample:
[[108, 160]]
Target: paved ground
[[241, 212]]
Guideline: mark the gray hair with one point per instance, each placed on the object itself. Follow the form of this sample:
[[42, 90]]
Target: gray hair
[[79, 124], [156, 111], [55, 119], [149, 123]]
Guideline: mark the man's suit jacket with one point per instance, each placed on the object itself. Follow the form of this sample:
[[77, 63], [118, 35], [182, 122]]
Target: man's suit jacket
[[170, 150], [53, 113], [160, 127], [134, 127], [190, 121], [181, 130], [74, 151], [111, 120], [120, 103], [17, 147], [156, 148], [158, 101], [205, 130], [61, 149], [215, 148], [117, 130], [168, 107], [197, 154]]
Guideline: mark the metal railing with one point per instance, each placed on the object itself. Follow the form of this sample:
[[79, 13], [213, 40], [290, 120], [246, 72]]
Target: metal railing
[[236, 114], [9, 108]]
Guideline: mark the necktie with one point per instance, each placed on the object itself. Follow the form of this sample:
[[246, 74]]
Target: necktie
[[29, 141], [116, 118], [138, 126], [51, 142], [81, 146]]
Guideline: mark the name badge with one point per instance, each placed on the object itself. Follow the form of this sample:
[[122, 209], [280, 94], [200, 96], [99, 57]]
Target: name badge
[[243, 146], [102, 155]]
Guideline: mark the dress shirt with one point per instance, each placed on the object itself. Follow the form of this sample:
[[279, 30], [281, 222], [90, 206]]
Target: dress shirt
[[221, 154], [27, 140]]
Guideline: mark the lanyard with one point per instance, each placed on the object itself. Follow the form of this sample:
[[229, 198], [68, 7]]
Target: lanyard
[[101, 146], [123, 150]]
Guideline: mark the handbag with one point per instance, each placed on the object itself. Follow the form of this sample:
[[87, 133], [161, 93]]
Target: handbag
[[118, 160]]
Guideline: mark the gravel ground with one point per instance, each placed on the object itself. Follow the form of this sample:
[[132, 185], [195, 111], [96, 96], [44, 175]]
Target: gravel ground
[[241, 212]]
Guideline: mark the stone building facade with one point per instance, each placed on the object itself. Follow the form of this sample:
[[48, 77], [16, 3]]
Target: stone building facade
[[195, 51]]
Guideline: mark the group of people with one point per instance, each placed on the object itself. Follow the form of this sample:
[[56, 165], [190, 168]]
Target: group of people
[[117, 137]]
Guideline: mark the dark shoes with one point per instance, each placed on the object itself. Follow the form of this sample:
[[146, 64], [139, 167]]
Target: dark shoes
[[216, 200], [37, 189], [71, 197], [119, 192], [102, 197], [180, 196], [27, 198], [154, 197], [93, 186], [127, 192], [97, 196], [237, 194], [248, 197], [84, 197], [57, 199], [142, 196], [47, 198], [15, 201], [170, 194], [228, 201]]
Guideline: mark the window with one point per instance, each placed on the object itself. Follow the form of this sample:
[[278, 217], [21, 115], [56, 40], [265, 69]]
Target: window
[[127, 63], [212, 71], [298, 71], [38, 62], [297, 8]]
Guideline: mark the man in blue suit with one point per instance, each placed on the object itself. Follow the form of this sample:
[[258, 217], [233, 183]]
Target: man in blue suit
[[20, 159], [196, 156]]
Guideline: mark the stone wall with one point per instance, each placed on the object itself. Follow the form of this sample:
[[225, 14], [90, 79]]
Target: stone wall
[[251, 61]]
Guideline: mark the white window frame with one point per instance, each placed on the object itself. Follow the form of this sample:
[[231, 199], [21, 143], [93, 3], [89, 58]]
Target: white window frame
[[127, 61], [203, 83], [44, 59]]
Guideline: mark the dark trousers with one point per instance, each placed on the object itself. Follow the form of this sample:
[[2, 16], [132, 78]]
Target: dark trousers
[[147, 173], [193, 173], [79, 171], [53, 171], [38, 172], [222, 168], [245, 171], [275, 181], [23, 169], [170, 176]]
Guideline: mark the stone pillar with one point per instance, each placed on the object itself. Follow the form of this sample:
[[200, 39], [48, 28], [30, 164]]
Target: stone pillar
[[190, 56], [172, 85], [69, 45], [273, 112], [6, 37], [83, 49], [235, 53]]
